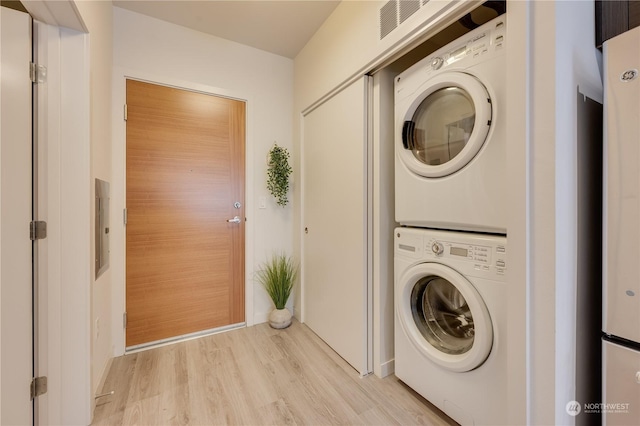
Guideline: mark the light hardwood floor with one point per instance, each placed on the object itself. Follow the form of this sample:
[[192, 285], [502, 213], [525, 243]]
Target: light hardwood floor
[[254, 376]]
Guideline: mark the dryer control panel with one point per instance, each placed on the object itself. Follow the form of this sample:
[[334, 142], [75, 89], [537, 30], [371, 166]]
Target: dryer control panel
[[483, 43], [477, 45]]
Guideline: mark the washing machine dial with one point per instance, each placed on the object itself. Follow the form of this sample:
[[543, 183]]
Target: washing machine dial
[[436, 63], [437, 248]]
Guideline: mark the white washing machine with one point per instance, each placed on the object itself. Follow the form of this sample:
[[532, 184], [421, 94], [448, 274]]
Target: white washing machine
[[451, 321], [450, 138]]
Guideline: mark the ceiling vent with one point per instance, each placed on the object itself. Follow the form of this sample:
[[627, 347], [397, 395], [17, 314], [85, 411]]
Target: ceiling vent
[[388, 18], [408, 8], [395, 12]]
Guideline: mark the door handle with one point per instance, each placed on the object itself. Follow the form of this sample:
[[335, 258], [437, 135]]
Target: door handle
[[236, 219], [408, 130]]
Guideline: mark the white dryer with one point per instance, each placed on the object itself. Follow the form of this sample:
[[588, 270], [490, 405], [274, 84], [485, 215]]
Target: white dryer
[[451, 321], [450, 138]]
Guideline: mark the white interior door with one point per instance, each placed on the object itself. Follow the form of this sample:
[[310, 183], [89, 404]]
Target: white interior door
[[15, 214], [336, 249]]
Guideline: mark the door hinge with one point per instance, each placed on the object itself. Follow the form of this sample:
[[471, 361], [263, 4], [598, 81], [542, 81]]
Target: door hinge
[[125, 112], [124, 216], [37, 230], [38, 386], [124, 320], [37, 73]]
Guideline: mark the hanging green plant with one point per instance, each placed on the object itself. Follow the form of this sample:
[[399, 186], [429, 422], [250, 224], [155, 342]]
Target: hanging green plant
[[278, 172]]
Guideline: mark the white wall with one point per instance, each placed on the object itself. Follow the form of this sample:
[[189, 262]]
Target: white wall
[[160, 52], [518, 217], [551, 53], [570, 27], [97, 17]]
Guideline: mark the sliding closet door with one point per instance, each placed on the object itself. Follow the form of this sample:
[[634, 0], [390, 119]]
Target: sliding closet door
[[336, 253]]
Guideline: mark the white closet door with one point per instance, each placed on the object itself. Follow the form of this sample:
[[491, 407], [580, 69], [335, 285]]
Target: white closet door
[[336, 253], [15, 213]]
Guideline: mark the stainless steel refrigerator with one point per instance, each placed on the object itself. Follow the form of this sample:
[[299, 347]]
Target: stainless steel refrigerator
[[621, 223]]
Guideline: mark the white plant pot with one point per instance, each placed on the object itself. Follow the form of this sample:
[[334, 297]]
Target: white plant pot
[[280, 318]]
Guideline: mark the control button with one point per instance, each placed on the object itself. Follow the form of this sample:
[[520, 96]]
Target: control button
[[500, 263], [501, 249], [436, 63], [437, 248]]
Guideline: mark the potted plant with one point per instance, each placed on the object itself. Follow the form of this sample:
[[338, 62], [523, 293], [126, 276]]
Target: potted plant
[[277, 276], [278, 172]]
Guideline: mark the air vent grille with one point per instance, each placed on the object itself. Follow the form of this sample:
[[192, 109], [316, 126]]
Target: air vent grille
[[388, 18], [395, 12], [408, 8]]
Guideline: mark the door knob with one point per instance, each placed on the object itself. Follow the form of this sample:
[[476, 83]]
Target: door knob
[[236, 219]]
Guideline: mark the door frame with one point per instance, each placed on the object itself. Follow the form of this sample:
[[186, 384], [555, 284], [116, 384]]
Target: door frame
[[118, 196], [64, 298]]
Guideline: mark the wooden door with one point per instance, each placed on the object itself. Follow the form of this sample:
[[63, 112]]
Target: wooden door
[[337, 253], [185, 180], [16, 358]]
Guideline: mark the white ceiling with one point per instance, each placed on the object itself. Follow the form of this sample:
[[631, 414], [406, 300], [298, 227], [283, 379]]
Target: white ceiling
[[280, 27]]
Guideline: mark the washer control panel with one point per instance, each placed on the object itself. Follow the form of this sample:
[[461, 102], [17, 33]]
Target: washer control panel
[[470, 254], [484, 257]]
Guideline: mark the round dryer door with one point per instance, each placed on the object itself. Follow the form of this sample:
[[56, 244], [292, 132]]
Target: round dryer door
[[446, 125], [445, 317]]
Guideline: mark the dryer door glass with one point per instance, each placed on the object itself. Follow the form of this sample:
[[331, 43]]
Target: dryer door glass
[[443, 124], [442, 315]]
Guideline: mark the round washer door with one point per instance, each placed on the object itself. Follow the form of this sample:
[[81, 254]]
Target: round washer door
[[445, 126], [444, 316]]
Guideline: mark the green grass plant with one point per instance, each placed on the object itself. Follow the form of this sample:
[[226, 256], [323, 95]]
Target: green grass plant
[[277, 276]]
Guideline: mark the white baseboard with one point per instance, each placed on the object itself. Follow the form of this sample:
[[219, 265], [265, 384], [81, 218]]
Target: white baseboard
[[387, 368], [261, 317]]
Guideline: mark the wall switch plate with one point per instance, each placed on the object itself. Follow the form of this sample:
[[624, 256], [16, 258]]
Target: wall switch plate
[[262, 202]]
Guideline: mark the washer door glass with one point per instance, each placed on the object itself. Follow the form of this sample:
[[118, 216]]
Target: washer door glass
[[442, 315], [446, 125]]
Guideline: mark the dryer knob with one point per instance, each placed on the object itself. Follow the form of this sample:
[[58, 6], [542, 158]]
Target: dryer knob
[[437, 248], [436, 63]]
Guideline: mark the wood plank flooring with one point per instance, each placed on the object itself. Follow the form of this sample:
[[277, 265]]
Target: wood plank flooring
[[254, 376]]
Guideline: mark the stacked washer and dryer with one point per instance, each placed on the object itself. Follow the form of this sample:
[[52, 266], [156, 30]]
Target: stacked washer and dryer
[[451, 250]]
